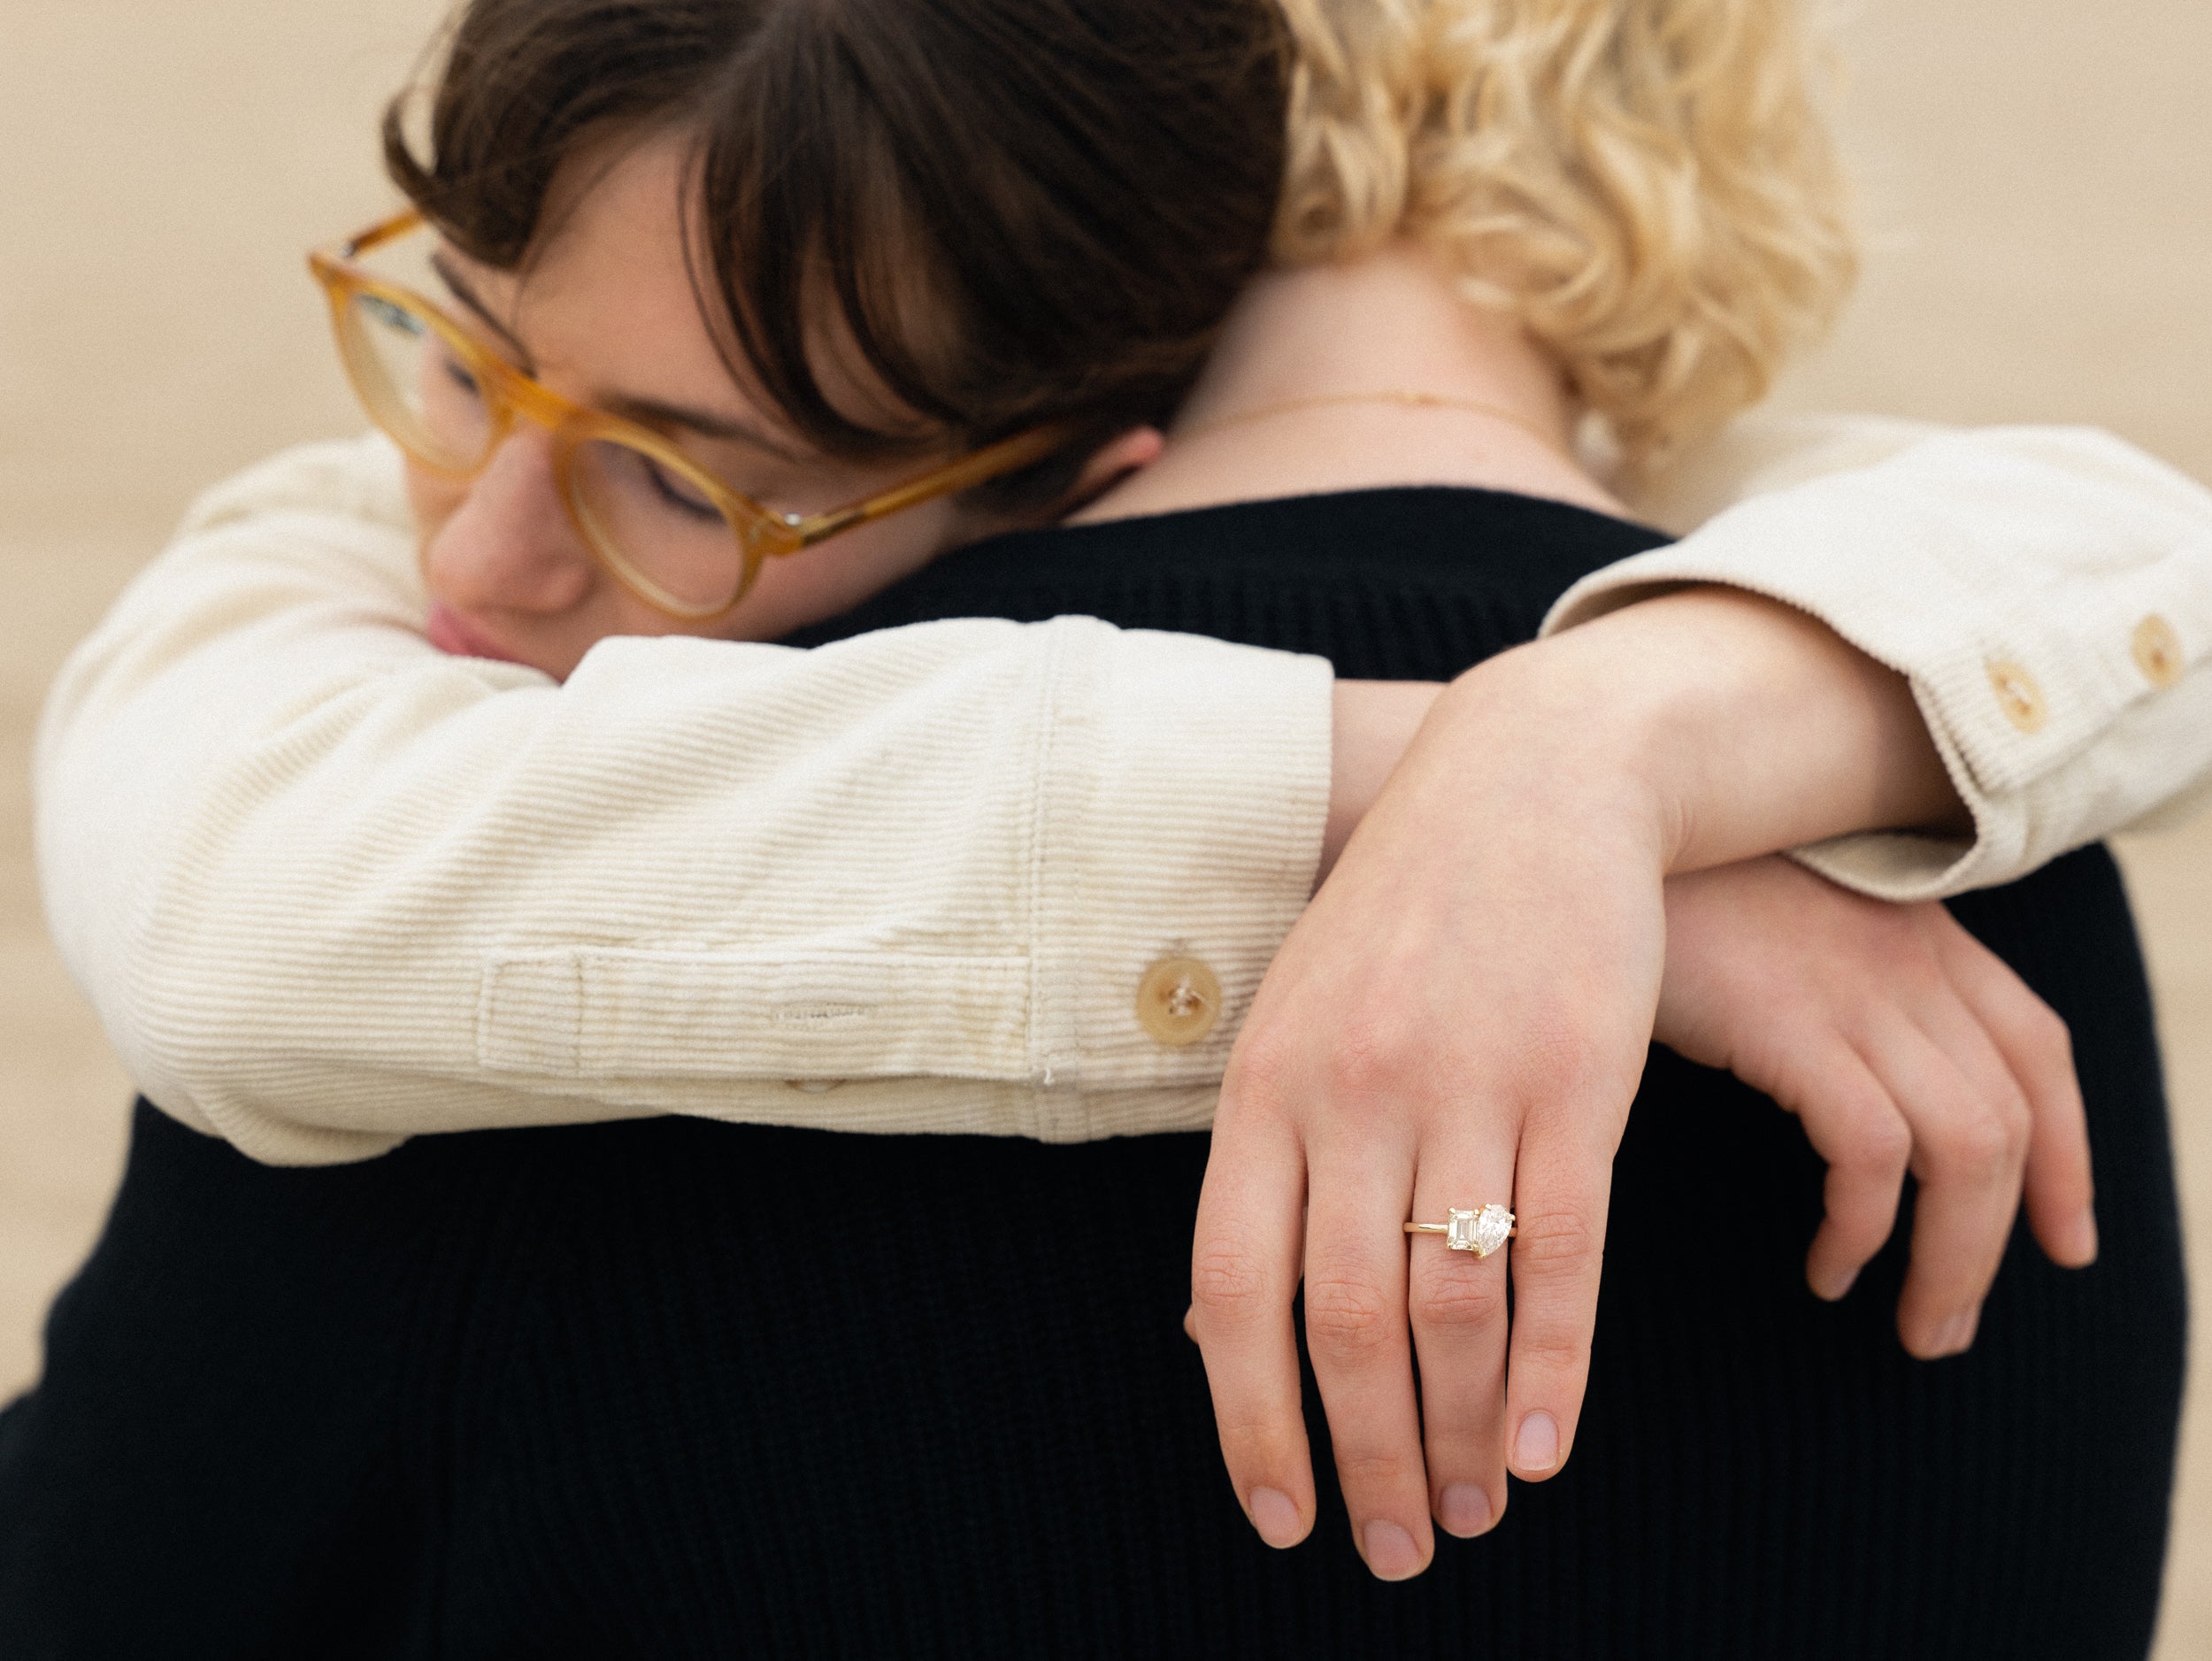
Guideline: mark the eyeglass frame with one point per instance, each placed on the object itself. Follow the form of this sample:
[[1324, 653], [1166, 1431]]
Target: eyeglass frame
[[761, 533]]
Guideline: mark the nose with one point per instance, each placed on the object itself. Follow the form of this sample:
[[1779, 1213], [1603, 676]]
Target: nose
[[508, 545]]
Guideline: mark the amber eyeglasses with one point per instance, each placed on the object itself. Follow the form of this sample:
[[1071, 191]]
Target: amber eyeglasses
[[681, 540]]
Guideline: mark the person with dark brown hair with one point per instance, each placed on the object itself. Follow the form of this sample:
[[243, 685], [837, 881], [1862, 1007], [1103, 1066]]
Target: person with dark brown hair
[[755, 276]]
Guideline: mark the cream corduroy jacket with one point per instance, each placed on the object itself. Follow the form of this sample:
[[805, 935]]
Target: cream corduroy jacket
[[329, 889]]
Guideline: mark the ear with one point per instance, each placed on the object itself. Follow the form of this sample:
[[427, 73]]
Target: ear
[[1112, 462]]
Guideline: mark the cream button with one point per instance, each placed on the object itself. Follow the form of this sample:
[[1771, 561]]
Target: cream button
[[1179, 1001], [2157, 650], [2017, 695], [812, 1087]]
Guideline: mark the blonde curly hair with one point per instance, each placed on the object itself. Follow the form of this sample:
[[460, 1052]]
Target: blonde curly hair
[[1648, 185]]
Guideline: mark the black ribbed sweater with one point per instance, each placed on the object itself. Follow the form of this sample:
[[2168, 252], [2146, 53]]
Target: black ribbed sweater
[[616, 1390]]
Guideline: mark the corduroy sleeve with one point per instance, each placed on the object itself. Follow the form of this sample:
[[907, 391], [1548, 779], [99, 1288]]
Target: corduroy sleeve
[[2047, 591], [328, 887]]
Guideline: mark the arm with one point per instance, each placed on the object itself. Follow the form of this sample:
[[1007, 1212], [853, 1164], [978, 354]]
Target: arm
[[329, 889], [1386, 1069], [167, 835], [2046, 591]]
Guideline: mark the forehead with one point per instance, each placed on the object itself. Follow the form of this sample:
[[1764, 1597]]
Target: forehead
[[607, 284], [619, 291]]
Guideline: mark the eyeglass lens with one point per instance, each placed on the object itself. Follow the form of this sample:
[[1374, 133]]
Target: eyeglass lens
[[654, 525], [415, 385]]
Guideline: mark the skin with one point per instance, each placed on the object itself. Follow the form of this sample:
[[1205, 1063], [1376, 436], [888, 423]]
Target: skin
[[1683, 735], [1675, 736], [1386, 1072], [607, 315]]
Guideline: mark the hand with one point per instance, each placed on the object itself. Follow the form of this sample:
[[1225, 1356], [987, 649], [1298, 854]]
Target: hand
[[1901, 1042], [1456, 1019], [1462, 1017]]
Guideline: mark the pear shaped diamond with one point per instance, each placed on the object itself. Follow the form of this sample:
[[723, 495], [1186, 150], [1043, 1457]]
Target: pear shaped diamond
[[1490, 1230], [1481, 1231]]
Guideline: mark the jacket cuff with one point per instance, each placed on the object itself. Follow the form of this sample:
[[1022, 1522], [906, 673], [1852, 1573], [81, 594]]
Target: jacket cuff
[[2029, 616], [1185, 785]]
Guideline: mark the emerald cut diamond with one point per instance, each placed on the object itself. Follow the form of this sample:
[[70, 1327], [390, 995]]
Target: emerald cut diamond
[[1481, 1231]]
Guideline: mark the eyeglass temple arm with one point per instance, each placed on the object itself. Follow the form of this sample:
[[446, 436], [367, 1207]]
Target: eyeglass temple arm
[[990, 462], [378, 234]]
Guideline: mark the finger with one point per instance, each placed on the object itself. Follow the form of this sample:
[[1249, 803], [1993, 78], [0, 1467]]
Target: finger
[[2059, 1184], [1356, 1331], [1244, 1274], [1458, 1302], [1560, 1188], [1855, 1126], [1969, 1142]]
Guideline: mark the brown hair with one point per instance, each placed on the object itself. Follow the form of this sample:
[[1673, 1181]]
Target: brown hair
[[1079, 188]]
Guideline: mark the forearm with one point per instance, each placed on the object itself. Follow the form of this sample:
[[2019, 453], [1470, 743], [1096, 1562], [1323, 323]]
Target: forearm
[[1374, 721], [1731, 725], [1780, 736], [2046, 591], [1748, 726], [327, 887]]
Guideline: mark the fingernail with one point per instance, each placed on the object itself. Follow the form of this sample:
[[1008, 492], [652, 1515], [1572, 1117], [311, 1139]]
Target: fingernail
[[1957, 1333], [2084, 1235], [1536, 1446], [1276, 1517], [1390, 1552], [1464, 1510], [1832, 1286]]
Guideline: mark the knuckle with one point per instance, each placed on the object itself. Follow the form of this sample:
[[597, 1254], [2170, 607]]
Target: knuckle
[[1553, 1242], [1980, 1145], [1249, 1437], [1229, 1284], [1549, 1352], [1370, 1473], [1347, 1315], [1854, 1234], [2049, 1035], [1372, 1063], [1858, 1222], [1374, 1060], [1458, 1298], [1911, 963], [1881, 1143]]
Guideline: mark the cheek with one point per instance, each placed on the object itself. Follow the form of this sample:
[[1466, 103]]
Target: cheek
[[433, 500], [835, 576]]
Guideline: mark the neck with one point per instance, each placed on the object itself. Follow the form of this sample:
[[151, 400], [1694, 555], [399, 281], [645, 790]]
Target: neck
[[1278, 410]]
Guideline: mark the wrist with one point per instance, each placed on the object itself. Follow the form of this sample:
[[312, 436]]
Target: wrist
[[1373, 723], [1745, 725], [1564, 744]]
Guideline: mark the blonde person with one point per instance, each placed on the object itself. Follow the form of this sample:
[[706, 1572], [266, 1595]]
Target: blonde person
[[502, 1253]]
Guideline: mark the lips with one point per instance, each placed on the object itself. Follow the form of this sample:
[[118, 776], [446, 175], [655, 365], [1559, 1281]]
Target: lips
[[446, 630]]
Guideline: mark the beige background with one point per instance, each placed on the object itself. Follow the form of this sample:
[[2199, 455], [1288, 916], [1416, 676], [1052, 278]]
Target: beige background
[[2038, 182]]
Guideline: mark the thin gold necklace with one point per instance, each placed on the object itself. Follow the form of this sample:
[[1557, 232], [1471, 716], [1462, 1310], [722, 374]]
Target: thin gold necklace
[[1403, 398]]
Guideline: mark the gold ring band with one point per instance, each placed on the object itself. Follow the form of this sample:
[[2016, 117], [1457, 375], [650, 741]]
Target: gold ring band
[[1481, 1231]]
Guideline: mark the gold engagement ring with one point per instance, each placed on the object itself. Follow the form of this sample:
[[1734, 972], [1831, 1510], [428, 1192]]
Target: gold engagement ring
[[1481, 1231]]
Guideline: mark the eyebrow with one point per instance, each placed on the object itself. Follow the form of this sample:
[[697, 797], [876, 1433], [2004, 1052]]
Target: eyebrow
[[646, 411], [461, 292]]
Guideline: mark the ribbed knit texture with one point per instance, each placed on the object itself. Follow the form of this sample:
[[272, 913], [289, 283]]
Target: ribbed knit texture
[[676, 1388]]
